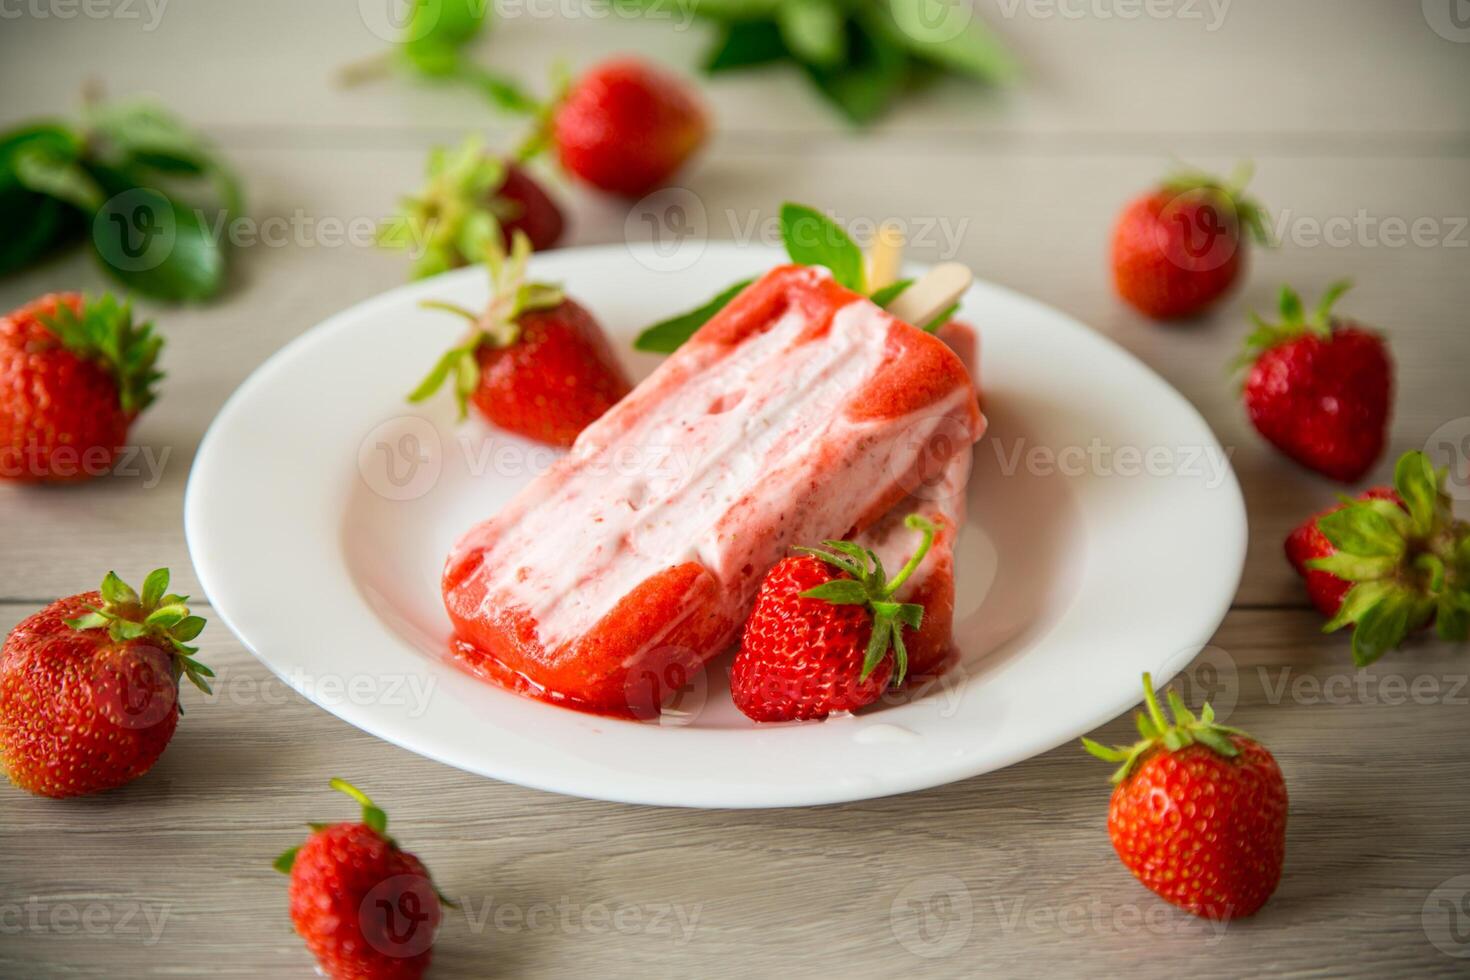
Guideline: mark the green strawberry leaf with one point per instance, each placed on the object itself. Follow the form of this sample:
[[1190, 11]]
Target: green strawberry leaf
[[814, 31], [840, 591], [286, 861], [814, 239], [1418, 484]]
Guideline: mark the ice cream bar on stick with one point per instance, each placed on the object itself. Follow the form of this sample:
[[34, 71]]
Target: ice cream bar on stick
[[800, 412]]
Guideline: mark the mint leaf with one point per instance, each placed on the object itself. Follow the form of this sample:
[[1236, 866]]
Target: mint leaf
[[436, 30], [152, 244], [950, 35], [667, 336], [890, 292], [814, 239], [875, 72], [814, 31], [745, 44]]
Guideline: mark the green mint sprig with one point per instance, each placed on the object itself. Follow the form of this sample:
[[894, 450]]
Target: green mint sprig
[[149, 194], [860, 55], [811, 238]]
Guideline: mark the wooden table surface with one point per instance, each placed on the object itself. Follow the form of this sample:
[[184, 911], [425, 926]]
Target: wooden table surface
[[1356, 115]]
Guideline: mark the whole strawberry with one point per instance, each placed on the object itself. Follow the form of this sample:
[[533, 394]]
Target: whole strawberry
[[533, 362], [1181, 247], [1319, 388], [471, 196], [1199, 811], [1389, 563], [366, 909], [89, 687], [818, 640], [74, 374], [627, 127]]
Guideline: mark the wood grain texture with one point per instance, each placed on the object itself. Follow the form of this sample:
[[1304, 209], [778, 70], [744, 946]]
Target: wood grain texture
[[1355, 115]]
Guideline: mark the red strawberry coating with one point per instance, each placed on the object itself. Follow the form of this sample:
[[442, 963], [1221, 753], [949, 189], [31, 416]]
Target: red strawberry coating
[[802, 658], [557, 379], [60, 415], [1308, 542], [1204, 832], [627, 127], [1175, 254], [1324, 401], [364, 908], [78, 713]]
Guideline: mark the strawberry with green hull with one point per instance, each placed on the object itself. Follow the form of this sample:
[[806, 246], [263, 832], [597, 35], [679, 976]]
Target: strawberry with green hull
[[1198, 814], [1319, 388], [471, 196], [534, 362], [824, 625], [1181, 247], [366, 909], [89, 687], [1389, 563], [74, 375]]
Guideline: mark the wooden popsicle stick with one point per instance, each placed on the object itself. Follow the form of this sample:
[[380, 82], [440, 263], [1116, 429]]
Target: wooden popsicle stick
[[940, 289], [885, 257]]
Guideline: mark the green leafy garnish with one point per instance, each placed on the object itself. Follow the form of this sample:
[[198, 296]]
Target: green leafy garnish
[[434, 45], [1408, 564], [153, 194], [498, 325], [155, 615], [1158, 732], [811, 238], [870, 586], [861, 55]]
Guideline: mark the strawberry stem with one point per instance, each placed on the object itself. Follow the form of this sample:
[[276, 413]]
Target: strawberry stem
[[913, 522], [1158, 731]]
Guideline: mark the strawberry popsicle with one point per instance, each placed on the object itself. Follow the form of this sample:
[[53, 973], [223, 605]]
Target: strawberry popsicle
[[800, 412]]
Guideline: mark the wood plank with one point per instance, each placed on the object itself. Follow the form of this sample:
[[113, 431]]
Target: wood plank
[[839, 889]]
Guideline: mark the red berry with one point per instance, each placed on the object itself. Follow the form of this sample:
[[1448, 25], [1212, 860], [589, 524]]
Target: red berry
[[538, 364], [819, 636], [1308, 542], [366, 909], [1320, 389], [73, 376], [559, 377], [1199, 811], [627, 127], [1389, 563], [83, 709], [1178, 249], [524, 206]]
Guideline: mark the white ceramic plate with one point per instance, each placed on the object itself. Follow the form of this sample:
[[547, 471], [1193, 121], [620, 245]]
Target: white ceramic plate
[[1106, 538]]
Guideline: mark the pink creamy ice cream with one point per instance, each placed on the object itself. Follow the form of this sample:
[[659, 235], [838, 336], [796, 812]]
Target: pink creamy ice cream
[[800, 412]]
